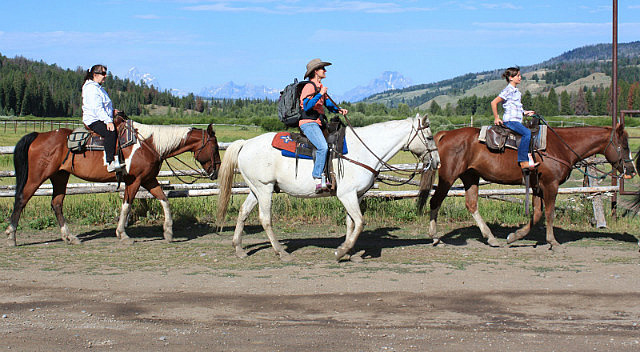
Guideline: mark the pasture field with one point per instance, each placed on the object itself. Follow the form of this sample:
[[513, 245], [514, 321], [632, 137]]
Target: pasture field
[[407, 295]]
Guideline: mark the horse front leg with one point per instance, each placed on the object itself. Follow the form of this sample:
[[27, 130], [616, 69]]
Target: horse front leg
[[550, 214], [130, 191], [59, 182], [153, 186], [436, 201], [355, 224], [243, 214], [524, 231]]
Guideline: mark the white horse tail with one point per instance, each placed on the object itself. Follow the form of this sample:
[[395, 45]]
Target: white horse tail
[[225, 178]]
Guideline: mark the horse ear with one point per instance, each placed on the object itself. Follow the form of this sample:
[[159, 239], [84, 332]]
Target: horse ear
[[620, 127], [425, 119], [210, 130]]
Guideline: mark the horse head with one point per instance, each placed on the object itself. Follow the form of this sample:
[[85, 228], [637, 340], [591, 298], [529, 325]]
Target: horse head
[[208, 155], [421, 143], [618, 154]]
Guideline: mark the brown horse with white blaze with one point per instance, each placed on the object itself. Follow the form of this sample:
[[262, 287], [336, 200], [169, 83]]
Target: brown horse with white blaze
[[463, 156], [42, 156]]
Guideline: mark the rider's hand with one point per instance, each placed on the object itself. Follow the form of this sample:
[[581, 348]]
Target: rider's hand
[[529, 112], [343, 112], [323, 90], [110, 126], [498, 122]]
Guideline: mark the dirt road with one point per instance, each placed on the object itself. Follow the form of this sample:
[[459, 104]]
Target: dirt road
[[406, 296]]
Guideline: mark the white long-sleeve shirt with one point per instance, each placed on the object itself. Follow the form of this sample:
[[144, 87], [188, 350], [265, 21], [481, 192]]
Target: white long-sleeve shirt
[[96, 104]]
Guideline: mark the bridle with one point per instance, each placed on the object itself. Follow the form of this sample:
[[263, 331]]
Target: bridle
[[416, 132], [615, 164], [214, 163]]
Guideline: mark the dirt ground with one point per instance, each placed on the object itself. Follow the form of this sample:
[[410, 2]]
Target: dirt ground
[[406, 296]]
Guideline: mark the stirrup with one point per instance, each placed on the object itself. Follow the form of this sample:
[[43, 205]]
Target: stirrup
[[525, 165]]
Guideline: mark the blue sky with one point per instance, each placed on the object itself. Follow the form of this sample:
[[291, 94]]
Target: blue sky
[[192, 44]]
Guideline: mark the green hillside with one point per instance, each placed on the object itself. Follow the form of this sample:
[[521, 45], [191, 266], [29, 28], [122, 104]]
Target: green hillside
[[586, 69]]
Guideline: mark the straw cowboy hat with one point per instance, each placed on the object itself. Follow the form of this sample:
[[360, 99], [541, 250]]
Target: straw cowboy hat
[[314, 65]]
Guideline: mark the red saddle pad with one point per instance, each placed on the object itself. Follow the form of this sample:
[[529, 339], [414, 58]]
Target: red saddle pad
[[283, 141]]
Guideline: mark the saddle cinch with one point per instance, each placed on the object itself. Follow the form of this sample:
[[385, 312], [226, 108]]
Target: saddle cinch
[[297, 145]]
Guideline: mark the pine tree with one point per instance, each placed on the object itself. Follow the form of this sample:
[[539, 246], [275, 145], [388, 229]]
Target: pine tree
[[580, 105], [565, 103]]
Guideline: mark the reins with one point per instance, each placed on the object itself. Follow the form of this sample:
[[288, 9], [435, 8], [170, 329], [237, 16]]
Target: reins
[[382, 162], [201, 174], [580, 158]]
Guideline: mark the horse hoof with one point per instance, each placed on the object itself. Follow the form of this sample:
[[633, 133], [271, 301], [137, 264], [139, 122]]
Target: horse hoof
[[241, 253], [340, 252], [286, 257], [493, 242], [357, 258], [511, 238], [11, 242], [128, 241], [436, 241], [73, 240]]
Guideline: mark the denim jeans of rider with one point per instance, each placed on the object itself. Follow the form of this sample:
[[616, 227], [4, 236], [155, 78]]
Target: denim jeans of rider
[[314, 133], [523, 147]]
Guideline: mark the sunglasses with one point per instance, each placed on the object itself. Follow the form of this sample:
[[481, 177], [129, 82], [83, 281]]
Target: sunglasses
[[100, 73]]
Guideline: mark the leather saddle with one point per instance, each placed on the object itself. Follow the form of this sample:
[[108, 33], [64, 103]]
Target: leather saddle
[[497, 138], [82, 139]]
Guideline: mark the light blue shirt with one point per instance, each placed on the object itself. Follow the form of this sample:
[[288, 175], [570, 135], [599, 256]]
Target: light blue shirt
[[96, 104], [513, 110]]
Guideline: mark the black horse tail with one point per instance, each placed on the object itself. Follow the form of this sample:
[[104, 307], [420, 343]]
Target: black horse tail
[[21, 163], [426, 183]]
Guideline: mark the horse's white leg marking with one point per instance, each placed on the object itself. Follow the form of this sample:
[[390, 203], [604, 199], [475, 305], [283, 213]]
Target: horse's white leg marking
[[122, 222], [67, 236], [486, 232], [244, 212], [168, 221], [11, 235], [352, 206], [433, 225]]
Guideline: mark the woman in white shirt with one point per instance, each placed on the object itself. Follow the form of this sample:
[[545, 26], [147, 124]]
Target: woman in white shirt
[[513, 114], [98, 112]]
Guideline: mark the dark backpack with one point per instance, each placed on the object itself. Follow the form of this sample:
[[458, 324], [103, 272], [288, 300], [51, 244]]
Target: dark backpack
[[289, 110]]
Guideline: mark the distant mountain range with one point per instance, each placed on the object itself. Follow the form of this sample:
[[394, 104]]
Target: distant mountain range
[[388, 80], [136, 76], [230, 90]]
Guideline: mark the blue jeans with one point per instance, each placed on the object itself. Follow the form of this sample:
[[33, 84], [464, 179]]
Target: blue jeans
[[523, 147], [314, 133]]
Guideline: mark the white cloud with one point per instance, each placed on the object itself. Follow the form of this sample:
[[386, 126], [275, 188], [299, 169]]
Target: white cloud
[[294, 8], [148, 17]]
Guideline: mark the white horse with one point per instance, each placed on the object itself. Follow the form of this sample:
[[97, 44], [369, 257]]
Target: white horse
[[264, 168]]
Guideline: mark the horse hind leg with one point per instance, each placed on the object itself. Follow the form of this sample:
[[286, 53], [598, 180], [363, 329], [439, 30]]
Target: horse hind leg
[[243, 214], [263, 195], [153, 186], [471, 203], [59, 182]]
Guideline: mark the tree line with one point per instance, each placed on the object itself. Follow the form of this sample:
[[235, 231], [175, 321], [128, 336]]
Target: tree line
[[586, 101], [35, 88]]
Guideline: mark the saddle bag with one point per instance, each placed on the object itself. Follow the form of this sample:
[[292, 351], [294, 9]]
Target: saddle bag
[[496, 138], [77, 140]]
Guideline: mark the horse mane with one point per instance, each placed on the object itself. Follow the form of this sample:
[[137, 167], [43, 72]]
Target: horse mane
[[165, 138]]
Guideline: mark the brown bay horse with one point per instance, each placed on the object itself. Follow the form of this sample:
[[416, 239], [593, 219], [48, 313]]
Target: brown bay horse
[[42, 156], [463, 156]]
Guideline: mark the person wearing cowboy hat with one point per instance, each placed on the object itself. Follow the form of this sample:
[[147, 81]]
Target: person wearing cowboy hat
[[313, 100]]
